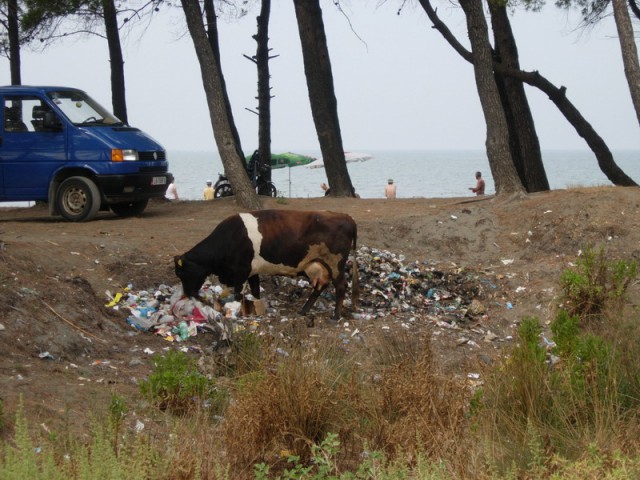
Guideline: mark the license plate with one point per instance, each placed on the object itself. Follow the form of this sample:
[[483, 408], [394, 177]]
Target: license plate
[[159, 181]]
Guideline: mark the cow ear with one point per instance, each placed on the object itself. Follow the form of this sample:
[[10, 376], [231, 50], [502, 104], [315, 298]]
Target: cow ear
[[178, 261]]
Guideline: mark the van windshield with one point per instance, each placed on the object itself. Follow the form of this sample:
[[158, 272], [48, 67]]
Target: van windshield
[[81, 109]]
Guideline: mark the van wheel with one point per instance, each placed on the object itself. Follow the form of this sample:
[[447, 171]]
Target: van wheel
[[78, 199], [129, 209]]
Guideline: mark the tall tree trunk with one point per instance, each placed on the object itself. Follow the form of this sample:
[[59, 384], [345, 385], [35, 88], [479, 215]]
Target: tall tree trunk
[[264, 95], [598, 146], [523, 139], [503, 170], [629, 51], [324, 106], [14, 42], [118, 97], [217, 100]]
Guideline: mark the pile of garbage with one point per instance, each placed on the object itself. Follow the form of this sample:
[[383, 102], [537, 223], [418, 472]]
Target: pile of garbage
[[166, 312], [388, 287]]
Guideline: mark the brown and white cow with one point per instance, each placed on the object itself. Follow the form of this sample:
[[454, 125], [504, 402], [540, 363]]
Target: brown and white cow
[[274, 242]]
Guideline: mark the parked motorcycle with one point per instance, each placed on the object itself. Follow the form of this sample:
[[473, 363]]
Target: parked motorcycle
[[222, 187]]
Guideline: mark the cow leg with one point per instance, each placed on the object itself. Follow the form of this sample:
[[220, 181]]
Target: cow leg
[[311, 300], [237, 292], [254, 284], [340, 282]]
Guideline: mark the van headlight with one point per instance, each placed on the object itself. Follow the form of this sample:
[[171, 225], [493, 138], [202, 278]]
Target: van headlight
[[124, 155]]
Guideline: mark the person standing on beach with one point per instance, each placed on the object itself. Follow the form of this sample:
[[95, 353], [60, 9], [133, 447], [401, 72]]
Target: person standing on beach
[[208, 191], [390, 189], [479, 188]]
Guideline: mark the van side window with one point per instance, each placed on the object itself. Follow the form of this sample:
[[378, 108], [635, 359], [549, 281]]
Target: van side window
[[13, 117], [25, 114]]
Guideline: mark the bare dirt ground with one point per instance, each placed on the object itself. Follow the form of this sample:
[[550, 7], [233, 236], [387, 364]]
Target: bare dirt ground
[[53, 278]]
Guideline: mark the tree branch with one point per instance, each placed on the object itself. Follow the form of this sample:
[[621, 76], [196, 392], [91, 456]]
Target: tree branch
[[556, 95]]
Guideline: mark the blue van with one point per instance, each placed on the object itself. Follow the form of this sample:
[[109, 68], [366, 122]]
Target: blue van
[[59, 146]]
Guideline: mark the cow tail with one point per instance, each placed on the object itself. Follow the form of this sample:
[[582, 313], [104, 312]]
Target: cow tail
[[355, 280]]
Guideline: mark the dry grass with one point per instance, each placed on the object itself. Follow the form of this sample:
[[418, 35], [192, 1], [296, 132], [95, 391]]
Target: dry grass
[[386, 399]]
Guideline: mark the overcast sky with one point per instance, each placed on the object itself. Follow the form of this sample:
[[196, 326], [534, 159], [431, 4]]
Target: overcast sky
[[399, 85]]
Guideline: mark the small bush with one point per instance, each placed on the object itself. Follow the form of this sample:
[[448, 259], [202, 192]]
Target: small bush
[[596, 284], [246, 355], [531, 411], [22, 460], [177, 386]]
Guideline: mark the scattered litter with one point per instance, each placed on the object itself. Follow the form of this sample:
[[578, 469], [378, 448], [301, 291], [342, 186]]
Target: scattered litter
[[139, 426], [490, 336], [394, 294]]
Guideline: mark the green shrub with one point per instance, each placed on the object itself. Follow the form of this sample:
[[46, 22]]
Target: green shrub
[[527, 394], [530, 410], [596, 284], [117, 409], [177, 386], [22, 460], [246, 355]]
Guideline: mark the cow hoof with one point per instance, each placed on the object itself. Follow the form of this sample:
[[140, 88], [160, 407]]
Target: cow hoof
[[311, 322]]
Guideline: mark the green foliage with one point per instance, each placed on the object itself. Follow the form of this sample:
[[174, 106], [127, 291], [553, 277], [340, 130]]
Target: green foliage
[[589, 379], [247, 355], [565, 330], [117, 409], [177, 386], [529, 348], [323, 466], [596, 284], [24, 460], [529, 408]]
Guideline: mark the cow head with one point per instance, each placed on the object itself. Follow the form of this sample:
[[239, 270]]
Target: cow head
[[191, 274]]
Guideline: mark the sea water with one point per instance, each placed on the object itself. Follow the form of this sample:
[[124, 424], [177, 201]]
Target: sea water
[[424, 173], [427, 173]]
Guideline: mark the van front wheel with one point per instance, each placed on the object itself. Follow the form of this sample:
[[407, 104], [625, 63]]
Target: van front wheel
[[129, 209], [78, 199]]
